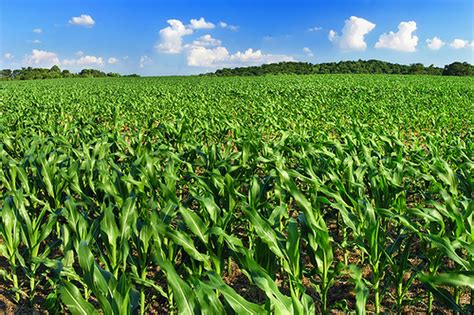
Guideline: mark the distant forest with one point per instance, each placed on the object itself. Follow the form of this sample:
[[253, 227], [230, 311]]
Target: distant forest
[[54, 72], [360, 66]]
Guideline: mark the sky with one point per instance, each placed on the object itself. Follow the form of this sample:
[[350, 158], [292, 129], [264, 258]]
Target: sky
[[190, 37]]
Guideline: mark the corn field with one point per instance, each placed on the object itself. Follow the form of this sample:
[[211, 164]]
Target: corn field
[[277, 194]]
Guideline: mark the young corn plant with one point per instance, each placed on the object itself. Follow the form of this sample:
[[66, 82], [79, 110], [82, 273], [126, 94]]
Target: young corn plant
[[316, 235], [115, 296], [11, 237], [34, 231]]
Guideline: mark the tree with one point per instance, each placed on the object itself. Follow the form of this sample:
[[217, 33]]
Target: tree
[[417, 68], [54, 72], [432, 70], [359, 66], [91, 73], [66, 74], [5, 74], [30, 73], [459, 69], [55, 69]]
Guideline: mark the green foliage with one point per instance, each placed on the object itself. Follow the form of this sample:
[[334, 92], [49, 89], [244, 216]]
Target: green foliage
[[277, 194], [459, 69], [359, 66], [55, 72]]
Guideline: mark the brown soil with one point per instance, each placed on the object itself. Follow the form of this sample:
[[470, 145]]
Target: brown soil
[[7, 306]]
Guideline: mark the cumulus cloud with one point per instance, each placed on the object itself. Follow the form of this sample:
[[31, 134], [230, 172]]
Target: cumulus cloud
[[144, 61], [36, 41], [199, 56], [352, 37], [461, 43], [435, 43], [308, 52], [257, 57], [8, 56], [206, 51], [201, 24], [172, 37], [37, 30], [206, 40], [228, 26], [315, 29], [41, 58], [84, 61], [83, 20], [403, 40]]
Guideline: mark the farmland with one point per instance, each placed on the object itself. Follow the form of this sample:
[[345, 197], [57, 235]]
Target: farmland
[[276, 194]]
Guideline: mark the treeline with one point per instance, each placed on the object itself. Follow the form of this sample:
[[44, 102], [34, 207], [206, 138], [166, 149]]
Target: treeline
[[30, 73], [360, 66]]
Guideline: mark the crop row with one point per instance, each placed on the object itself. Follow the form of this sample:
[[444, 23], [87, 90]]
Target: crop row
[[249, 201]]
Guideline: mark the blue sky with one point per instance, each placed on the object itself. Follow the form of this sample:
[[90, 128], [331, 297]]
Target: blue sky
[[188, 37]]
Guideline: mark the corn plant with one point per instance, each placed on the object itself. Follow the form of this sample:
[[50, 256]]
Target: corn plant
[[281, 194]]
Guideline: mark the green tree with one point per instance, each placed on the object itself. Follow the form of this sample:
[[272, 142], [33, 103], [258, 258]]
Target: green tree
[[54, 72], [55, 68], [5, 74], [459, 69], [66, 74]]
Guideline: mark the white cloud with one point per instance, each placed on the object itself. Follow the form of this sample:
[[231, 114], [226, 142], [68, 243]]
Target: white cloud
[[315, 29], [228, 26], [206, 51], [461, 43], [36, 41], [41, 58], [172, 37], [435, 43], [37, 30], [201, 24], [8, 56], [403, 40], [144, 61], [112, 60], [83, 20], [206, 40], [199, 56], [458, 43], [206, 57], [257, 57], [308, 52], [352, 37], [84, 61]]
